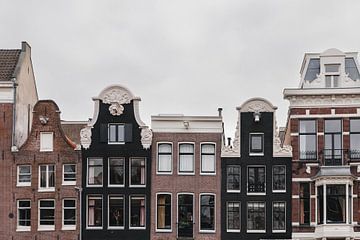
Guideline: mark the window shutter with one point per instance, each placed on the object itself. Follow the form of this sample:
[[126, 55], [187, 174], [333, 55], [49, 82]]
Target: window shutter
[[103, 132], [128, 132]]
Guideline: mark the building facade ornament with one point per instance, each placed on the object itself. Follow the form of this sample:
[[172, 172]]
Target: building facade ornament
[[257, 105], [85, 137], [332, 100], [146, 137], [116, 97], [116, 109], [234, 149]]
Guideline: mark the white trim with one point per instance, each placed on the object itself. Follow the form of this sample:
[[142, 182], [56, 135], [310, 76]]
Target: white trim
[[207, 231], [156, 212], [208, 173], [108, 170], [272, 217], [68, 227], [42, 149], [233, 191], [22, 228], [87, 173], [157, 159], [46, 227], [178, 161], [23, 184], [115, 196], [262, 144], [177, 210], [226, 217], [145, 172], [137, 196], [108, 134], [94, 196], [272, 180], [68, 183], [302, 180], [47, 188], [247, 213], [315, 116]]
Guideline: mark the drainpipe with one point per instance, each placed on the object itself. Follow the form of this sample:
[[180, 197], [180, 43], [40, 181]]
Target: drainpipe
[[13, 147], [79, 190]]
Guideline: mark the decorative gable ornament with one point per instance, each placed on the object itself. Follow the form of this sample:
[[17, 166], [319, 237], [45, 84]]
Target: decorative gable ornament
[[234, 149], [146, 137], [116, 97], [85, 137]]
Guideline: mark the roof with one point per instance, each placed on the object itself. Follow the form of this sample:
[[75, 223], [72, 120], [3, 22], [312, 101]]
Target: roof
[[331, 171], [8, 61]]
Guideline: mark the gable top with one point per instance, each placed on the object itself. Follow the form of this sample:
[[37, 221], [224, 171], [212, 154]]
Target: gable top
[[257, 105]]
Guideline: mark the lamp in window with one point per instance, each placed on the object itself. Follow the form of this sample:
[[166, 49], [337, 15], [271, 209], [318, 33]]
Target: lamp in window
[[257, 115]]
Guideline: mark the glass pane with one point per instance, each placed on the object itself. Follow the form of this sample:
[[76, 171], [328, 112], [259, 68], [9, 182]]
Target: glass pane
[[313, 69], [256, 142], [186, 163], [207, 212], [121, 133], [117, 171], [116, 211], [69, 168], [69, 203], [351, 69], [112, 133], [336, 81], [355, 146], [164, 163], [233, 215], [354, 125], [95, 161], [332, 67], [308, 147], [333, 125], [186, 148], [24, 169], [46, 204], [208, 163], [208, 148], [307, 126], [164, 148], [328, 81]]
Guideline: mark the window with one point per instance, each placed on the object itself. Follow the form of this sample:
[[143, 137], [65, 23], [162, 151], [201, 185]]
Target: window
[[164, 158], [233, 216], [69, 214], [116, 212], [307, 138], [163, 213], [233, 177], [207, 158], [279, 178], [95, 172], [23, 215], [256, 143], [137, 212], [330, 68], [320, 204], [46, 141], [333, 142], [116, 171], [207, 212], [94, 212], [23, 175], [313, 69], [47, 214], [256, 217], [304, 198], [116, 133], [47, 178], [332, 75], [278, 217], [186, 158], [256, 179], [355, 138], [138, 172], [69, 174], [351, 69]]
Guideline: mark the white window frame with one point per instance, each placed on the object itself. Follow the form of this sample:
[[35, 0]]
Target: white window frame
[[215, 162], [42, 148], [18, 227], [95, 196], [178, 154], [47, 188], [247, 180], [272, 180], [22, 184], [226, 217], [247, 217], [116, 185], [135, 196], [46, 227], [108, 132], [68, 227], [87, 173], [272, 220], [231, 190], [68, 183], [156, 212], [207, 231], [262, 144], [115, 196], [157, 159], [145, 172]]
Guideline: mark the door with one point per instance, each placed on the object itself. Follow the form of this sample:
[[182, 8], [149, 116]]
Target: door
[[185, 215]]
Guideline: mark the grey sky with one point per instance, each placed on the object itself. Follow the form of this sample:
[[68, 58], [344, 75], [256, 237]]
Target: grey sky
[[183, 56]]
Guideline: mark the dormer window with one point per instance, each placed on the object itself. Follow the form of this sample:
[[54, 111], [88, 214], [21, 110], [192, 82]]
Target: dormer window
[[332, 68], [332, 72]]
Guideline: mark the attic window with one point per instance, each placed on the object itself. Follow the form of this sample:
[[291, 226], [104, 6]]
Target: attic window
[[332, 68], [46, 141], [313, 69], [351, 69]]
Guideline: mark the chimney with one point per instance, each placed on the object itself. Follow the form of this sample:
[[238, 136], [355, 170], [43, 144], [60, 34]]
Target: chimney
[[229, 141], [220, 112]]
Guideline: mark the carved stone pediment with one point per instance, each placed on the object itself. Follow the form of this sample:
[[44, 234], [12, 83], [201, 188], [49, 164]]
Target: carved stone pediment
[[146, 137], [116, 97], [85, 137]]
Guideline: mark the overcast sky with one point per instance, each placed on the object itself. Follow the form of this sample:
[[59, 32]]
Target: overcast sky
[[187, 57]]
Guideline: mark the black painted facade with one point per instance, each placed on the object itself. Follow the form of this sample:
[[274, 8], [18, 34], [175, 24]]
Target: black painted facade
[[247, 126], [100, 148]]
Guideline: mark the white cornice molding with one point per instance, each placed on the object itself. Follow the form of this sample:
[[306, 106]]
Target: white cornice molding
[[257, 105]]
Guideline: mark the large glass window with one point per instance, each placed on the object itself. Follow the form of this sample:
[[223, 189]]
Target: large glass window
[[94, 212], [116, 212], [307, 140], [95, 171], [186, 158], [279, 216], [256, 216], [47, 178], [137, 212], [46, 214], [355, 138], [208, 158], [336, 203], [304, 198], [279, 178], [320, 204], [116, 133], [116, 171], [69, 214], [138, 171], [163, 212], [24, 215], [256, 179], [207, 212], [23, 175], [164, 158], [69, 174], [233, 178], [233, 216], [333, 142], [256, 143]]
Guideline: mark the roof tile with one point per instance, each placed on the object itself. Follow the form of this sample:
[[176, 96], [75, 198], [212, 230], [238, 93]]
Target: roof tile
[[8, 61]]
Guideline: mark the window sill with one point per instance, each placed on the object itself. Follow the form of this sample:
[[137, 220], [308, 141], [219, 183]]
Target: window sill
[[23, 184], [256, 231], [69, 183], [46, 150], [164, 230], [186, 173], [137, 186], [164, 173], [116, 228], [94, 186], [46, 228], [137, 228], [23, 229], [208, 173], [116, 143], [256, 154], [46, 190], [279, 191], [278, 231], [114, 185], [69, 228], [207, 231], [256, 193], [232, 231], [94, 228], [233, 191]]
